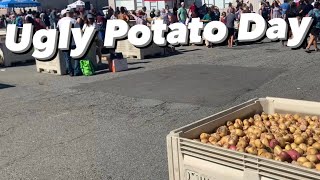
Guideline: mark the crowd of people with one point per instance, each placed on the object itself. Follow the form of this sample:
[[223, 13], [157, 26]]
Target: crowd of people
[[51, 18]]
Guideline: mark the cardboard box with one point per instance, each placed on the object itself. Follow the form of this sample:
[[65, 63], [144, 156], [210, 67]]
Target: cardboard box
[[119, 65]]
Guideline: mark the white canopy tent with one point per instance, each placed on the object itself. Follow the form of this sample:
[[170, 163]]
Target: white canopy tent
[[77, 4]]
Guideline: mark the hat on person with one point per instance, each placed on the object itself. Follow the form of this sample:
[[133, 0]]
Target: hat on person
[[63, 12], [69, 10], [157, 13], [89, 16]]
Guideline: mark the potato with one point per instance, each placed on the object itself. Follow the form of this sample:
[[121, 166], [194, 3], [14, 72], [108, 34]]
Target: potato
[[239, 121], [312, 158], [251, 120], [232, 142], [225, 139], [204, 140], [310, 141], [239, 132], [302, 160], [240, 149], [303, 127], [277, 150], [252, 136], [303, 147], [282, 126], [314, 118], [312, 151], [281, 141], [267, 123], [265, 142], [298, 140], [318, 167], [257, 117], [204, 136], [284, 156], [222, 131], [299, 150], [267, 155], [258, 144], [294, 145], [237, 125], [260, 151], [229, 123], [231, 128], [252, 150], [316, 145], [264, 116], [292, 129], [278, 158], [309, 165], [288, 138], [288, 147], [296, 116], [246, 122]]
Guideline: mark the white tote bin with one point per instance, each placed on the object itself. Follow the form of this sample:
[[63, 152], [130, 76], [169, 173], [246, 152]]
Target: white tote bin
[[192, 160]]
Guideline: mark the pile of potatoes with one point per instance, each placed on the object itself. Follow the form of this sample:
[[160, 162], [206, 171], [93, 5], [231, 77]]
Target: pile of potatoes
[[287, 138]]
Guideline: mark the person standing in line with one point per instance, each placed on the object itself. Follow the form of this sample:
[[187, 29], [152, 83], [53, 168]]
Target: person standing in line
[[182, 14], [236, 25], [223, 17], [230, 18], [72, 71], [315, 29], [276, 11], [284, 8], [53, 19], [192, 11], [206, 19], [123, 15], [264, 12]]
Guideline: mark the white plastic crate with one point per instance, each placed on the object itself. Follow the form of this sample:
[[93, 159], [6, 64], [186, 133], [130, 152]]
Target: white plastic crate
[[8, 58], [56, 66], [130, 51], [192, 160]]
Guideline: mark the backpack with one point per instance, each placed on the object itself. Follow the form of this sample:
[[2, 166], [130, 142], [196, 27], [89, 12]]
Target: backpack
[[87, 67]]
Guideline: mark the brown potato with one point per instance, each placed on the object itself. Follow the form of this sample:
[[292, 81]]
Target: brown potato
[[312, 151], [277, 150], [312, 158], [252, 150], [310, 141], [309, 165], [299, 150], [239, 132], [316, 145], [204, 140], [303, 147], [302, 160], [204, 136], [258, 144], [288, 147], [298, 140]]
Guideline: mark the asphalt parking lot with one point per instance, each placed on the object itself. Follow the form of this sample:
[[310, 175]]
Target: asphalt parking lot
[[114, 125]]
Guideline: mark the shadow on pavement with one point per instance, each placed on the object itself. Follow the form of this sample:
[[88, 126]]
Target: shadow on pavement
[[133, 63], [4, 86]]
